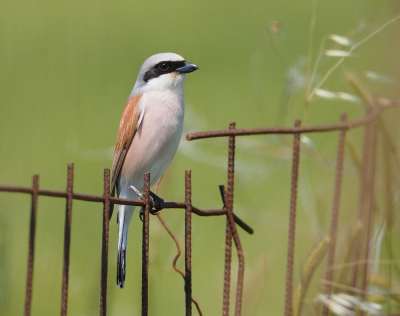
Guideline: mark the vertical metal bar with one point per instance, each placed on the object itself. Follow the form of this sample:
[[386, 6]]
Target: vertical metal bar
[[188, 242], [364, 178], [335, 212], [104, 246], [67, 240], [228, 203], [292, 222], [231, 220], [31, 251], [369, 207], [228, 259], [145, 246]]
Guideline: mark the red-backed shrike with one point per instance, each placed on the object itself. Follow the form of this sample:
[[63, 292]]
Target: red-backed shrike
[[148, 137]]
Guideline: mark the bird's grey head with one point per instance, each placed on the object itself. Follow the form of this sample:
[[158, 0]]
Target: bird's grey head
[[162, 71]]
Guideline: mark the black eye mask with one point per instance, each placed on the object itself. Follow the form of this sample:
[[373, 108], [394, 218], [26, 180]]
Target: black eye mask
[[162, 68]]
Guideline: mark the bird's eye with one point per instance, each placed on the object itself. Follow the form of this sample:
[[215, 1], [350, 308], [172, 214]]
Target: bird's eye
[[163, 67]]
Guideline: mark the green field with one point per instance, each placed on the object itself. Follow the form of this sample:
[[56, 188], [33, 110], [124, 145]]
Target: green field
[[66, 70]]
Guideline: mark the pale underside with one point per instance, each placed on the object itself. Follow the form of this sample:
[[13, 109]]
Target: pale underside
[[155, 141]]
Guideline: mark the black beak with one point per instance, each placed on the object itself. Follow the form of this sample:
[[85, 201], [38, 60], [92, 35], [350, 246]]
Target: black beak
[[187, 68]]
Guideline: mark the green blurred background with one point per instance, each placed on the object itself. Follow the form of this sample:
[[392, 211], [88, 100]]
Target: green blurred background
[[66, 70]]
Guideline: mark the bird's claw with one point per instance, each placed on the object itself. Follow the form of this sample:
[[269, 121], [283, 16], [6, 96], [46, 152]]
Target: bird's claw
[[156, 205]]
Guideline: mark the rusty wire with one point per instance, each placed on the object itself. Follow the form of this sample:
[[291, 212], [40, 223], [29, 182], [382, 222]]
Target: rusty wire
[[179, 252], [173, 236]]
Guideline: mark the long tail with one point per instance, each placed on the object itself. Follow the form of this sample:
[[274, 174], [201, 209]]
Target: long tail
[[124, 217]]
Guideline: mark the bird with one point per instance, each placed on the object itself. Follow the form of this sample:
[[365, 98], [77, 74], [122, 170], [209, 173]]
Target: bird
[[148, 136]]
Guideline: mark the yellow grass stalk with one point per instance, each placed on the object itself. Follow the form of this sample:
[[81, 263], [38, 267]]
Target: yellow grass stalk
[[313, 261], [351, 242]]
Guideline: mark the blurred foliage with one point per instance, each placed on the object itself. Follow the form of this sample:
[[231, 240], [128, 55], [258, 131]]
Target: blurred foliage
[[66, 69]]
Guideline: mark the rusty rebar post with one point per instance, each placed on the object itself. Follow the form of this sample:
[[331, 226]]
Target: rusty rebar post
[[228, 204], [104, 246], [31, 250], [292, 222], [232, 225], [188, 242], [145, 246], [335, 212], [369, 214], [228, 258], [67, 239]]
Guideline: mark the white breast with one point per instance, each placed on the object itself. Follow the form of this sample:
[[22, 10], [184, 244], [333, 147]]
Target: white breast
[[156, 140]]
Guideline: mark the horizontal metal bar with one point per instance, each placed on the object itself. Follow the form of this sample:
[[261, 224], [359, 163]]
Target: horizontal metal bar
[[114, 200], [289, 130], [16, 189]]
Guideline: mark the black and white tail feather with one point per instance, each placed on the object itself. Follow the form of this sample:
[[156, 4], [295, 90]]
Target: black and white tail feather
[[123, 220]]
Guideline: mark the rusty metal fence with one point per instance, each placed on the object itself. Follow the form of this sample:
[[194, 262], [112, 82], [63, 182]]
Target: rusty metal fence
[[365, 211]]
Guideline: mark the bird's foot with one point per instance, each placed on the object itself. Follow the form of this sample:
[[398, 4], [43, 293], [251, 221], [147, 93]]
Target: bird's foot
[[156, 203]]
